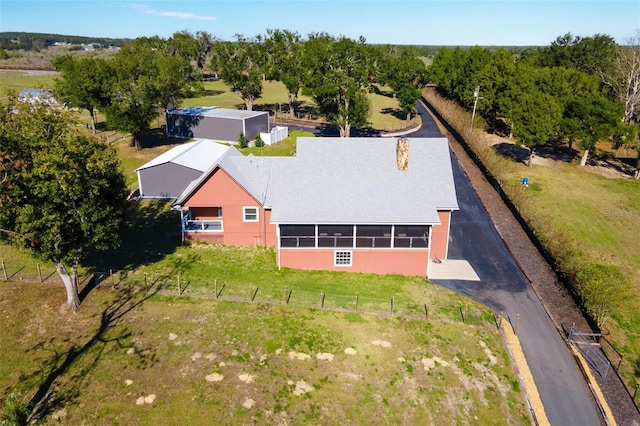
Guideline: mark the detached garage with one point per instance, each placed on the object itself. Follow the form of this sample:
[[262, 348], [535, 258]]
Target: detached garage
[[166, 176], [216, 123]]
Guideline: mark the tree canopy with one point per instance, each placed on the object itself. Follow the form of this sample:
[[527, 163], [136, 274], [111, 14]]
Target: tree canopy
[[62, 193], [147, 79]]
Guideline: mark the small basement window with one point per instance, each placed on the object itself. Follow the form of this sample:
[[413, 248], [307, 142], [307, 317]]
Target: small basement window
[[250, 214], [342, 258]]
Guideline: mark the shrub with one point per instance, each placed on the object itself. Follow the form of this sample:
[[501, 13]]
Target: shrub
[[602, 288], [258, 141], [242, 140], [15, 411]]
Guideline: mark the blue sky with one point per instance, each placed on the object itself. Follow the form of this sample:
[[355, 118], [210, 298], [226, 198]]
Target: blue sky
[[426, 22]]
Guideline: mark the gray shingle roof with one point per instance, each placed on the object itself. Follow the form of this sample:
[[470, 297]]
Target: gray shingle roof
[[348, 180], [356, 180]]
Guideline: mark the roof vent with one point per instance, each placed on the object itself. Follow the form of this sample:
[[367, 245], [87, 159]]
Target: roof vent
[[402, 153]]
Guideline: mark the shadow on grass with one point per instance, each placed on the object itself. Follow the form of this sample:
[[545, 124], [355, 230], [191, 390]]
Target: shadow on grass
[[395, 112], [157, 137], [67, 363], [154, 233]]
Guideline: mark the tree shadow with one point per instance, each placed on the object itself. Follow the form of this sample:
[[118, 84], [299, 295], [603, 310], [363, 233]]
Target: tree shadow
[[64, 358], [153, 234], [512, 151], [158, 137], [208, 92], [395, 112]]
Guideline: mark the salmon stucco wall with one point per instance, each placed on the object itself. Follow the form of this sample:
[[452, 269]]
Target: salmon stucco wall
[[440, 236], [220, 190], [397, 261]]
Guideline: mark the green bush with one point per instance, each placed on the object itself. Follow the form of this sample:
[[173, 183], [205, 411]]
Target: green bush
[[242, 140], [602, 288], [15, 411], [258, 141]]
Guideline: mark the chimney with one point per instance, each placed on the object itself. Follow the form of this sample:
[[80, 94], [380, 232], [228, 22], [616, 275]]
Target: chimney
[[402, 153]]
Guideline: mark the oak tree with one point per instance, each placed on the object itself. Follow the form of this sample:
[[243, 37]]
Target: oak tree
[[62, 193]]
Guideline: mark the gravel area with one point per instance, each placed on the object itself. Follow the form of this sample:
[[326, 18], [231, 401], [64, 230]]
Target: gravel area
[[557, 301]]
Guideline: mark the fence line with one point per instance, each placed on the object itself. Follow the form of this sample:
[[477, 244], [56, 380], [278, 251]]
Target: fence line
[[165, 285]]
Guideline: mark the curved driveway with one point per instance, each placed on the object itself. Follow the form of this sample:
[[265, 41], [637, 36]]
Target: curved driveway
[[504, 288]]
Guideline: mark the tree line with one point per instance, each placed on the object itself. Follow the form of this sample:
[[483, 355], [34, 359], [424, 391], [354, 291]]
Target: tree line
[[150, 74], [38, 41], [582, 89]]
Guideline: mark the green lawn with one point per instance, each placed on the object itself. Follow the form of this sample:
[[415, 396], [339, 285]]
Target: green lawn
[[14, 81], [132, 359]]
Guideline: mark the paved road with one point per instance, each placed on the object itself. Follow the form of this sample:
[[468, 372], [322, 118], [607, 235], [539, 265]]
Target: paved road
[[504, 288]]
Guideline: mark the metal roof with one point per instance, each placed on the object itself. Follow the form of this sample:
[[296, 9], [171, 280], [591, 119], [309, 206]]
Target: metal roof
[[212, 111], [198, 155], [348, 180]]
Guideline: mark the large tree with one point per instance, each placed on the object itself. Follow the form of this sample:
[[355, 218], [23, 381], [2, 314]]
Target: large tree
[[337, 77], [241, 64], [62, 194], [284, 53], [85, 83], [148, 79], [623, 77], [406, 74]]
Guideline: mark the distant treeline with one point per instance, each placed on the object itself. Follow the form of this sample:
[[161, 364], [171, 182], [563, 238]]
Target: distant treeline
[[38, 41]]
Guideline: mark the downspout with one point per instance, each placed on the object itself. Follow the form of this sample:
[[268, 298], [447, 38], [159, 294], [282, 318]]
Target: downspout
[[278, 245], [429, 256], [446, 250]]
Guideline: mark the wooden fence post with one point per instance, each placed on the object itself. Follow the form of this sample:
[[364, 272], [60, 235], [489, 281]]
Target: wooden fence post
[[321, 299], [426, 312], [462, 313], [356, 301], [39, 272], [392, 301], [146, 288], [4, 271]]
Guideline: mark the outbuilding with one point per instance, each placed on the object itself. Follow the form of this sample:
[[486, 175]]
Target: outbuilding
[[216, 123], [166, 176]]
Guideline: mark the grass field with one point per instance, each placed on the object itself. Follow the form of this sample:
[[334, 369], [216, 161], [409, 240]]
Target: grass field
[[14, 81], [133, 359]]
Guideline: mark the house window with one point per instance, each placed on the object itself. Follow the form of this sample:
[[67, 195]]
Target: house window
[[335, 235], [411, 236], [297, 235], [250, 214], [373, 235], [342, 258]]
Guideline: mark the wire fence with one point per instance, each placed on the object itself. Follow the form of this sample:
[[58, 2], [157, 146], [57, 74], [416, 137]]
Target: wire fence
[[177, 286]]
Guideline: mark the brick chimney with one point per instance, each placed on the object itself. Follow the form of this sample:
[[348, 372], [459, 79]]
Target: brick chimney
[[402, 153]]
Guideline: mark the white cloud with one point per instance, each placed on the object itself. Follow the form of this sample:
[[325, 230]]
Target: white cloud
[[171, 14]]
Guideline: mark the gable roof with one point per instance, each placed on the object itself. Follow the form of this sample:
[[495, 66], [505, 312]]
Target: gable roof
[[213, 111], [357, 181], [347, 180], [198, 155]]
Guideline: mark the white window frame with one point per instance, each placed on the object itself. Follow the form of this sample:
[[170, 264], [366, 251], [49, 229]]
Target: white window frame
[[340, 255], [244, 214]]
